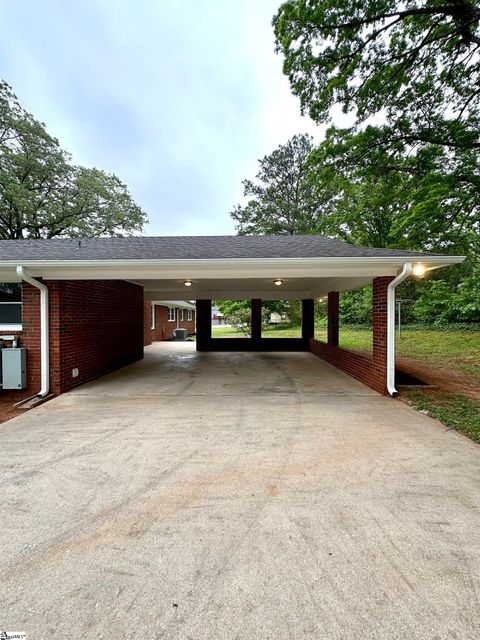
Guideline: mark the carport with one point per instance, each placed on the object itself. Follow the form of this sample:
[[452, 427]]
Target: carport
[[83, 299], [194, 489]]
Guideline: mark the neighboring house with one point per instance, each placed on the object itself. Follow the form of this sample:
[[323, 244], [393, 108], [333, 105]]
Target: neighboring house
[[164, 316], [278, 318], [217, 316]]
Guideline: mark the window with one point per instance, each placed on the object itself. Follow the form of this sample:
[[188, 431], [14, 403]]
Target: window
[[189, 314], [181, 315], [10, 304], [171, 314]]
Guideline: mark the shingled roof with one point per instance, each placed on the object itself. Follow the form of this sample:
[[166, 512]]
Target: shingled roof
[[189, 247]]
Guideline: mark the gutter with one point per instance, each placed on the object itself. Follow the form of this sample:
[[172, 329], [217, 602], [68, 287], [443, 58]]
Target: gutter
[[44, 331], [403, 275], [433, 259]]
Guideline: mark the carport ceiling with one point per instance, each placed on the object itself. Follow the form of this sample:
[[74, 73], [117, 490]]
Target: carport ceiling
[[219, 266], [246, 288]]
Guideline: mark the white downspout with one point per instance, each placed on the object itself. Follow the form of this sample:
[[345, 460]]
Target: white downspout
[[403, 275], [44, 331]]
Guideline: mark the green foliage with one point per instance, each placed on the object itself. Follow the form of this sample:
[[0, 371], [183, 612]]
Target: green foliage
[[435, 304], [454, 410], [408, 62], [42, 195], [439, 304], [284, 199], [431, 301], [406, 173], [356, 306], [424, 197], [237, 313]]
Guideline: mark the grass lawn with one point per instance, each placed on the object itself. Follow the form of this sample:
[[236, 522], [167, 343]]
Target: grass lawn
[[454, 410], [271, 332], [453, 350], [457, 349]]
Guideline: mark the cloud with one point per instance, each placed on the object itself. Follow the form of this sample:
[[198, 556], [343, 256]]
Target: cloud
[[179, 99]]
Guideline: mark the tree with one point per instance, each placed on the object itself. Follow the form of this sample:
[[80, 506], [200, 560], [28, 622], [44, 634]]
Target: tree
[[399, 197], [238, 313], [413, 180], [416, 65], [283, 199], [42, 195]]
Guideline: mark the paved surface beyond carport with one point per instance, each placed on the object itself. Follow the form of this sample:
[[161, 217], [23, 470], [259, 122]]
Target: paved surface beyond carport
[[246, 496]]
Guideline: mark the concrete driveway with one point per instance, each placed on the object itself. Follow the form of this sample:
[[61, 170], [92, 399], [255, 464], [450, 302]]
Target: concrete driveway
[[246, 496]]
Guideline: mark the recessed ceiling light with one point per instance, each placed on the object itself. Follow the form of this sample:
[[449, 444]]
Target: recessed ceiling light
[[278, 282], [419, 270], [188, 283]]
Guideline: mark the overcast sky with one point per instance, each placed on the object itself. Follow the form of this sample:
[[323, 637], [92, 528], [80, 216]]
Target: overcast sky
[[178, 98]]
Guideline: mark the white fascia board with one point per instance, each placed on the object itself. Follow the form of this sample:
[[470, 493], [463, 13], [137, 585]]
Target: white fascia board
[[220, 268]]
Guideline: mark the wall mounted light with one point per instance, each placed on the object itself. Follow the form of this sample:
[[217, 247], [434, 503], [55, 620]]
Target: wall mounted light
[[188, 283], [278, 282], [419, 270]]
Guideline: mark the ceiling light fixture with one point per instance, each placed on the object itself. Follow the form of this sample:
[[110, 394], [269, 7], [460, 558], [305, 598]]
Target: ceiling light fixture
[[278, 282], [188, 283], [419, 270]]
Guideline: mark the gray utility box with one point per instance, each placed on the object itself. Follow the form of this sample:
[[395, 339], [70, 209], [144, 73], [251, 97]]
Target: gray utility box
[[180, 334], [14, 368]]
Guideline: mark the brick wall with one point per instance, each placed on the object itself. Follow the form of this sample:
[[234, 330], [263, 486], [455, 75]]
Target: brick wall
[[164, 329], [95, 326], [98, 326], [371, 371], [147, 323]]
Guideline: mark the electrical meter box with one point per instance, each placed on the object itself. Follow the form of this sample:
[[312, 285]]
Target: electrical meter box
[[14, 368]]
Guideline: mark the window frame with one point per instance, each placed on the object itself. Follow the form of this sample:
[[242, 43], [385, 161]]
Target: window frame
[[13, 326], [169, 318], [182, 311], [189, 315]]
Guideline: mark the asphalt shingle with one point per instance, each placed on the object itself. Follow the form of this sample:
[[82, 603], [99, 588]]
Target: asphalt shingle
[[188, 247]]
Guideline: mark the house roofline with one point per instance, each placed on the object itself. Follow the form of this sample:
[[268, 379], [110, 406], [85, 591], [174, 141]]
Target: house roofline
[[433, 259]]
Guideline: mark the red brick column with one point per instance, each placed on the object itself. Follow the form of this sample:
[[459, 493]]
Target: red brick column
[[147, 322], [379, 322], [333, 317]]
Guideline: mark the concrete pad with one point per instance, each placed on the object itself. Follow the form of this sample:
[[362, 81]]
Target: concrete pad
[[175, 368], [247, 496]]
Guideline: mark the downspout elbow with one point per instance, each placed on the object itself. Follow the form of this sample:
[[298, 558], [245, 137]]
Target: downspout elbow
[[44, 330], [403, 275]]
